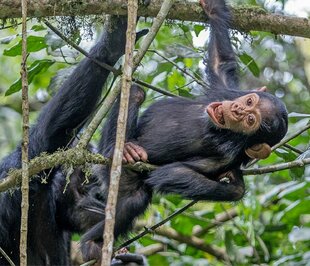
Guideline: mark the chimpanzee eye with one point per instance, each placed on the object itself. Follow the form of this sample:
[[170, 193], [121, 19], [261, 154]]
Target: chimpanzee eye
[[249, 102], [251, 119]]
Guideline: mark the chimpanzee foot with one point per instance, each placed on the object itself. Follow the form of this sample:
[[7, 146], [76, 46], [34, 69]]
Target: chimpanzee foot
[[134, 153]]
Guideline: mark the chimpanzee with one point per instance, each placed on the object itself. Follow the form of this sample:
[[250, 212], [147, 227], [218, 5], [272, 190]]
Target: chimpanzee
[[199, 145], [196, 143], [51, 218]]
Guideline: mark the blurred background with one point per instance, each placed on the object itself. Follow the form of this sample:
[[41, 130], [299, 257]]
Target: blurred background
[[271, 225]]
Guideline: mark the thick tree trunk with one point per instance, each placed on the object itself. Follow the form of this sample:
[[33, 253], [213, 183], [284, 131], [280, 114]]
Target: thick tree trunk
[[245, 18]]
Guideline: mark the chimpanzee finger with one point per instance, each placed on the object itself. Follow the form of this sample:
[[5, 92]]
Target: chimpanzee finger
[[139, 150], [127, 157], [132, 151], [142, 153]]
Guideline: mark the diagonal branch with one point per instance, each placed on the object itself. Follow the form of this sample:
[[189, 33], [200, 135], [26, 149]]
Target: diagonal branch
[[116, 167]]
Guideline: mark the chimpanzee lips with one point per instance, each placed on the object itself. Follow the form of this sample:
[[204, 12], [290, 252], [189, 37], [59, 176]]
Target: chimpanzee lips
[[215, 112]]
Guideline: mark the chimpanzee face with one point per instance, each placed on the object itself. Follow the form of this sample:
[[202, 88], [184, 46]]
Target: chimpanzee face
[[242, 115], [246, 115]]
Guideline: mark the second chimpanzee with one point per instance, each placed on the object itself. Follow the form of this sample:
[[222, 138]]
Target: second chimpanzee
[[198, 143], [52, 214]]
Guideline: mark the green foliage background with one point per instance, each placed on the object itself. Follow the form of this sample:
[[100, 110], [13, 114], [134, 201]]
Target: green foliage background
[[271, 224]]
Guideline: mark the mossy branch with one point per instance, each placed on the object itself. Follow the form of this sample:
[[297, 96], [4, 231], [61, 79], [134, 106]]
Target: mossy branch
[[244, 18]]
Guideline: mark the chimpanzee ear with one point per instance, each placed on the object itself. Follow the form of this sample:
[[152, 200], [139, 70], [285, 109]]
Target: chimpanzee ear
[[263, 89], [258, 151]]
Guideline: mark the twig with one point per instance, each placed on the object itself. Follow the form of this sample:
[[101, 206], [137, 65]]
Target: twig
[[276, 167], [25, 142], [167, 93], [116, 167], [194, 242], [115, 71], [298, 151], [6, 257], [155, 226], [284, 141], [184, 70], [219, 220], [158, 21], [88, 263], [245, 236]]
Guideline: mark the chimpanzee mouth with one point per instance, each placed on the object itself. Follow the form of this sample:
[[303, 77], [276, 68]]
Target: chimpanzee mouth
[[215, 111]]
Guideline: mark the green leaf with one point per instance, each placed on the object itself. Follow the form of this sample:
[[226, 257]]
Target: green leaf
[[250, 63], [38, 27], [36, 68], [34, 44], [198, 29], [229, 244], [185, 28]]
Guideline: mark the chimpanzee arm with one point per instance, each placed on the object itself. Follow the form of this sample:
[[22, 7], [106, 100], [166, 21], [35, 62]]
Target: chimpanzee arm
[[221, 63], [189, 180], [108, 133], [76, 98]]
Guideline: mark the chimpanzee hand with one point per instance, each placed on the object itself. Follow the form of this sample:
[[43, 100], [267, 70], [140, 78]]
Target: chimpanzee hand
[[134, 153], [129, 259]]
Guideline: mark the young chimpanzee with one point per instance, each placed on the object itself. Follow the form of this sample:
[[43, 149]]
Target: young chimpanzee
[[51, 218], [196, 143], [199, 145]]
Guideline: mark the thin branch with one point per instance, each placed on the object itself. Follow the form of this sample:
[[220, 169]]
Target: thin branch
[[194, 242], [155, 226], [219, 220], [184, 70], [276, 167], [116, 167], [248, 239], [244, 18], [25, 142], [294, 149], [284, 141], [146, 42], [289, 138], [6, 257], [147, 85], [115, 71]]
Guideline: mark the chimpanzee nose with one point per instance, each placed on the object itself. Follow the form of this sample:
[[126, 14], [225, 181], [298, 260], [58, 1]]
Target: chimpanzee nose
[[238, 109]]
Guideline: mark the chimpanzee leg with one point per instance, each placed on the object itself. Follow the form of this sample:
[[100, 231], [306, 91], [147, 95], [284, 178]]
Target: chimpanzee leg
[[134, 197], [186, 179], [221, 63], [67, 111]]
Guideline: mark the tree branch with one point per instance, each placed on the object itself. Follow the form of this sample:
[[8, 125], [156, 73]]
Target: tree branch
[[74, 157], [116, 167], [25, 142], [276, 167], [194, 242], [244, 18]]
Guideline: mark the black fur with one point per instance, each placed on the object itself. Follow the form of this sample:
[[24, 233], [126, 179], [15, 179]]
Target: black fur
[[50, 220], [192, 153]]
